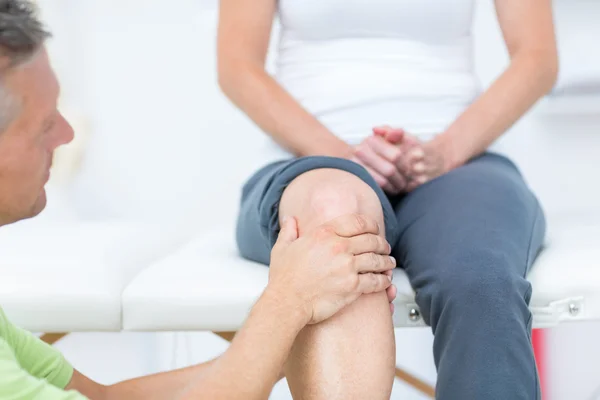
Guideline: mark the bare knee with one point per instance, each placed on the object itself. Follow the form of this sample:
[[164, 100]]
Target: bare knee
[[340, 358], [321, 195]]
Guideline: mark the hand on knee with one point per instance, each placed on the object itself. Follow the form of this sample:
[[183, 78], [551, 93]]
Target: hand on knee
[[331, 267]]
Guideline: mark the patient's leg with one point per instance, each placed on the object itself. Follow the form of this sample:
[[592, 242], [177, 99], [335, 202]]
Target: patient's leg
[[352, 355]]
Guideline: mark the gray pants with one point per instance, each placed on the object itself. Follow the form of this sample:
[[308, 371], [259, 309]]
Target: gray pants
[[466, 241]]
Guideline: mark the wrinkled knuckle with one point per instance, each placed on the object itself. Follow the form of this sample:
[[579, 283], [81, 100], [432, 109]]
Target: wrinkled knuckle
[[360, 222], [374, 243], [379, 262], [375, 260], [382, 283], [374, 283], [368, 283]]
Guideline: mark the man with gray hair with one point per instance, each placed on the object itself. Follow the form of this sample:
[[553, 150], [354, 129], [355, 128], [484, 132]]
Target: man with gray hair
[[311, 278]]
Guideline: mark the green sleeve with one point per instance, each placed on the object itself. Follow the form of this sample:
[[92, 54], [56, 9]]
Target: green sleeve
[[18, 384], [36, 357]]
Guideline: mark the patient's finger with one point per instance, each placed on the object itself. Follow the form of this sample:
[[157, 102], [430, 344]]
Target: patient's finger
[[379, 164], [392, 154], [387, 150], [381, 130], [415, 155], [380, 180], [392, 135]]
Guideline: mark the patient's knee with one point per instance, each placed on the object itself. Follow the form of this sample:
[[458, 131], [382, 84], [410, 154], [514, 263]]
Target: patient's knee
[[318, 196]]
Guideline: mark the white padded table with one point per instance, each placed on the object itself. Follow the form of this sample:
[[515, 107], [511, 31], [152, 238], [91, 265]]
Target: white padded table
[[69, 276], [206, 286]]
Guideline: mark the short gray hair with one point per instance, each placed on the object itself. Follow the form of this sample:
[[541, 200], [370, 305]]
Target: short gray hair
[[22, 35]]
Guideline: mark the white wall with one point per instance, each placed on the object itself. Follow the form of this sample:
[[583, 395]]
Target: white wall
[[143, 76]]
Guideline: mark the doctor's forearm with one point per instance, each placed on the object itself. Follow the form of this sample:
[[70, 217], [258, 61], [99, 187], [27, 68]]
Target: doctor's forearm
[[253, 363]]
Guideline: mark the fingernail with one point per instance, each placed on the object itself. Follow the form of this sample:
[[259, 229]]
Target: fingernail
[[419, 167], [393, 260], [389, 277], [284, 220]]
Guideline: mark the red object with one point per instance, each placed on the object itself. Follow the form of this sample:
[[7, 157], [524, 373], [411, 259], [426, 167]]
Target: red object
[[539, 348]]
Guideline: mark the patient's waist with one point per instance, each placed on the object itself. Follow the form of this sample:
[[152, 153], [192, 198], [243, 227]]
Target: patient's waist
[[422, 118]]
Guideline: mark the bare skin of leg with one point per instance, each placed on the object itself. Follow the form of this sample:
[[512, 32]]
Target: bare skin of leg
[[351, 355]]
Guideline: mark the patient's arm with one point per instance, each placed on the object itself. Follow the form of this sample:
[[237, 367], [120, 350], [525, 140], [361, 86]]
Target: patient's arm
[[528, 30], [243, 40]]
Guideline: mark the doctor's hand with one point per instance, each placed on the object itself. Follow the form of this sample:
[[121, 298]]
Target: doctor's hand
[[331, 266]]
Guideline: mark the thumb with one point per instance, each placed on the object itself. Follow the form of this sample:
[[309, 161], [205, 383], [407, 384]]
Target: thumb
[[289, 231]]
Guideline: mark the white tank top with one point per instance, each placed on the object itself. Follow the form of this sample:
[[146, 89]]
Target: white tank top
[[356, 64]]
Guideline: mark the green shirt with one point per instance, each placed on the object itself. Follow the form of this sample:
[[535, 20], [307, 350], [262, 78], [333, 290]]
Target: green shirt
[[31, 369]]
